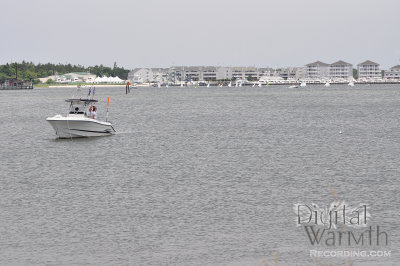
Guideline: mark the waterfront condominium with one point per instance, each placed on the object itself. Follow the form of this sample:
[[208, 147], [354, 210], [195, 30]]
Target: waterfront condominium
[[393, 73], [148, 75], [369, 69], [317, 70], [341, 70]]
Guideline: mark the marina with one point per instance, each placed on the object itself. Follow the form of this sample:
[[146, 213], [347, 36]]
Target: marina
[[281, 83]]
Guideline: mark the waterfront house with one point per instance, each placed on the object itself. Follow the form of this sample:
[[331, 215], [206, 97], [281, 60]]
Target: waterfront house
[[160, 75], [288, 73], [317, 70], [300, 73], [393, 73], [141, 75], [369, 70], [341, 70]]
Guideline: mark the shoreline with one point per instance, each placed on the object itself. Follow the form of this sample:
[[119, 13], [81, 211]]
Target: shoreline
[[202, 85], [217, 85]]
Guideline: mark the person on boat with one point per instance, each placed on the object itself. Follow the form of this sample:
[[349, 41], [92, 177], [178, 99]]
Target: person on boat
[[89, 114], [94, 113]]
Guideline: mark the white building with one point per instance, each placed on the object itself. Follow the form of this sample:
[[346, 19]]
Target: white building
[[317, 70], [393, 73], [142, 75], [288, 73], [177, 74], [71, 77], [267, 72], [224, 73], [192, 73], [245, 73], [300, 73], [105, 79], [251, 73], [160, 75], [211, 73], [208, 73], [341, 70], [369, 70], [237, 73]]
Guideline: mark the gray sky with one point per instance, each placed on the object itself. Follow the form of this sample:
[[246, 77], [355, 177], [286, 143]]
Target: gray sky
[[156, 33]]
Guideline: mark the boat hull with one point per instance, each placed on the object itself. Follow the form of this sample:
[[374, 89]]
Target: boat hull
[[66, 127]]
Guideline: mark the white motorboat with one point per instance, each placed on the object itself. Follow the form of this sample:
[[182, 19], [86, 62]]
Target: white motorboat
[[293, 86], [77, 123], [303, 84], [351, 84]]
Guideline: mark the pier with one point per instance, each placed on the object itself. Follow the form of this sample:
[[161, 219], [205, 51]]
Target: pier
[[14, 84]]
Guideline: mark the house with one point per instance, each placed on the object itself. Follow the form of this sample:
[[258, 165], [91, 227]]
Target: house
[[140, 75], [369, 70], [317, 70], [393, 73], [341, 70]]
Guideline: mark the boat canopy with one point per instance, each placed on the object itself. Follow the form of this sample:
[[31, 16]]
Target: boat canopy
[[81, 100]]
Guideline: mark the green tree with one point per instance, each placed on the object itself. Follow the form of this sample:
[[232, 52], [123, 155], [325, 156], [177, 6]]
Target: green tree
[[355, 73], [3, 77], [29, 75], [28, 70]]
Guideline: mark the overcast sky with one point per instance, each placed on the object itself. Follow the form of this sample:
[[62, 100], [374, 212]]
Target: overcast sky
[[162, 33]]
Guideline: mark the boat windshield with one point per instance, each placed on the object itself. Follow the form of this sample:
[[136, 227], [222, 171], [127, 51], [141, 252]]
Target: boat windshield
[[79, 106]]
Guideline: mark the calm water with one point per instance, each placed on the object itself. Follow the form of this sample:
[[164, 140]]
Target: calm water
[[204, 176]]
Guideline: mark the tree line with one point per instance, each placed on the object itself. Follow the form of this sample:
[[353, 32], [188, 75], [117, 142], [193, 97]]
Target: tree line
[[31, 71]]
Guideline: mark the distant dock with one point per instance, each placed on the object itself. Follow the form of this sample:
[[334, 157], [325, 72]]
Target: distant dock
[[14, 84], [16, 87]]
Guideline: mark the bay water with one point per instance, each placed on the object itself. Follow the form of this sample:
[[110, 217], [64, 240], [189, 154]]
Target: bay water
[[195, 176]]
